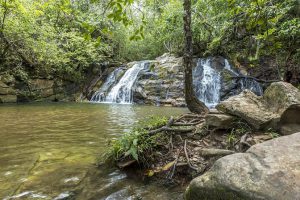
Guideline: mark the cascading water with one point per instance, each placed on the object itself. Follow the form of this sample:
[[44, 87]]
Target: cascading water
[[122, 91], [99, 96], [250, 84], [207, 83], [228, 67], [245, 82]]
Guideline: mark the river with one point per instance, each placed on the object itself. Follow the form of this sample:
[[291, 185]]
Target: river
[[50, 151]]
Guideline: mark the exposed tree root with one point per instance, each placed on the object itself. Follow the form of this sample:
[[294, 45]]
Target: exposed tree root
[[181, 157], [187, 157]]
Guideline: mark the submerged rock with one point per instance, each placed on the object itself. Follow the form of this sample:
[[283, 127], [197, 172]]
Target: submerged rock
[[270, 170]]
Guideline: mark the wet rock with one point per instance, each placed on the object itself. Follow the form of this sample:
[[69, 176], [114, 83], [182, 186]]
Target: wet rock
[[280, 95], [251, 108], [290, 120], [64, 196], [269, 170], [219, 120]]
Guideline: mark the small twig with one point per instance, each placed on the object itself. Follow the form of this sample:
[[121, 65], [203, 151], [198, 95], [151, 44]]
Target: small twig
[[171, 143], [195, 120], [187, 157], [189, 115]]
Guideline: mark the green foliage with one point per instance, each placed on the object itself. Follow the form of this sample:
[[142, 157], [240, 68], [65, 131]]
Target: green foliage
[[137, 144], [231, 138], [64, 38], [239, 129], [58, 38], [272, 133], [152, 122], [258, 29]]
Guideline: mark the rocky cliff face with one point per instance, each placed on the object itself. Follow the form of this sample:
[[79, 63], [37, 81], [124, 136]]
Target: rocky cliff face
[[36, 87], [37, 90], [162, 83]]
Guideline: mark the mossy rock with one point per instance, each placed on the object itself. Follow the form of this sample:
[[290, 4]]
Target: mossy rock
[[8, 98], [280, 95]]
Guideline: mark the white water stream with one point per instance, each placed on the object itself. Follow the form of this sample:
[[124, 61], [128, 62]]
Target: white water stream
[[121, 92], [207, 83]]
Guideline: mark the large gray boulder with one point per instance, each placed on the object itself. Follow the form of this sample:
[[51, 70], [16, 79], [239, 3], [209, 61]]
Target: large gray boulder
[[280, 95], [262, 112], [251, 108], [269, 170]]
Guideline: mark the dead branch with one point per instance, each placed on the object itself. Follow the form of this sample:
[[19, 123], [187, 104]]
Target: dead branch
[[206, 152], [167, 129]]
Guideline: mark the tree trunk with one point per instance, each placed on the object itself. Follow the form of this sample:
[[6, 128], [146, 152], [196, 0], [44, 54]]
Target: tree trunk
[[193, 103]]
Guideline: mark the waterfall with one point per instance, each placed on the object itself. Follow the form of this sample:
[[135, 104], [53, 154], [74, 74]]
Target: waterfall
[[209, 80], [228, 67], [207, 83], [250, 84], [245, 82], [99, 96], [122, 91]]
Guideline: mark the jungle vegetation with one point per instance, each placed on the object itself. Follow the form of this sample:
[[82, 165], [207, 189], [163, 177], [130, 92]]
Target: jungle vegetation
[[63, 38]]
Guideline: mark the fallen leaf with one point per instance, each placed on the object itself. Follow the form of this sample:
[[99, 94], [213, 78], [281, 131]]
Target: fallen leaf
[[168, 166]]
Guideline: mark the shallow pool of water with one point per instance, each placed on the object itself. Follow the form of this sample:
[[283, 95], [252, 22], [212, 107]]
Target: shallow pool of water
[[49, 151]]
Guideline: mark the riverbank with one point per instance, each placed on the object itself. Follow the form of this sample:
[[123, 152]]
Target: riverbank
[[182, 147], [176, 150]]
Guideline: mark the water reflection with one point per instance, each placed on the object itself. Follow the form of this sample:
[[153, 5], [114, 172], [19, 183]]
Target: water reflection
[[50, 151], [123, 115]]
